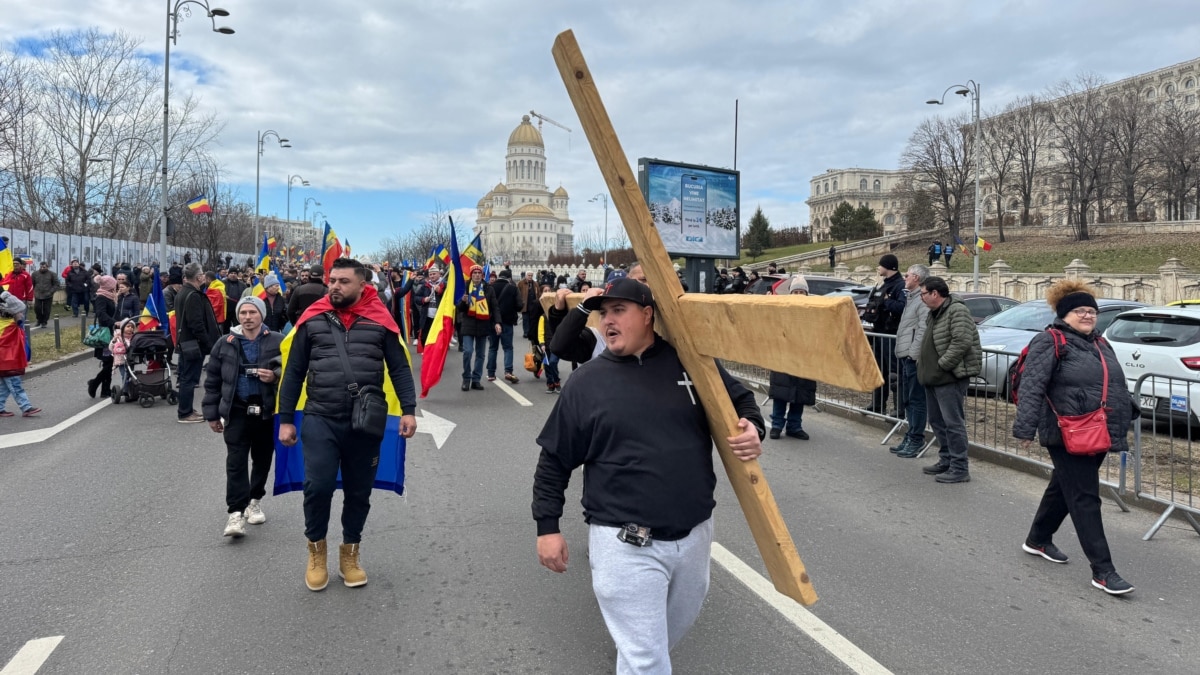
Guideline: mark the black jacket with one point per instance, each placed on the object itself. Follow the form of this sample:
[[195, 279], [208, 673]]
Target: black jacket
[[128, 306], [303, 296], [508, 301], [78, 280], [225, 366], [643, 440], [195, 320], [1073, 382], [479, 327], [888, 299], [277, 315], [572, 340], [797, 390], [313, 360]]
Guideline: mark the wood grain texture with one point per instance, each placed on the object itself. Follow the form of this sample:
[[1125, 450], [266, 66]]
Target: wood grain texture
[[762, 514]]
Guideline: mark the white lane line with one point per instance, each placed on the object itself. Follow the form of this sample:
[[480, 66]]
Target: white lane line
[[822, 633], [513, 393], [39, 435], [32, 656]]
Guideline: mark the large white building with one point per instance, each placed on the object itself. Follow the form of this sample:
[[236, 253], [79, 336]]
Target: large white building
[[520, 220], [871, 187], [291, 232]]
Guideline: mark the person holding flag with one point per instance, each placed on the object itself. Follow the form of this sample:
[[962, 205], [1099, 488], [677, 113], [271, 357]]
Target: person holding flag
[[480, 318], [347, 330], [14, 356]]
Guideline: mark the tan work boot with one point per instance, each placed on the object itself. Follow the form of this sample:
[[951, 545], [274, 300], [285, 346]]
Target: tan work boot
[[317, 575], [348, 568]]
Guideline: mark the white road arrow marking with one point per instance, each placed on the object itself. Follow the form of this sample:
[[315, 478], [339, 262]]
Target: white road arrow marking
[[438, 427], [32, 656], [39, 435]]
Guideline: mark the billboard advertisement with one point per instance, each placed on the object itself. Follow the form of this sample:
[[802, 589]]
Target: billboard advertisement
[[695, 208]]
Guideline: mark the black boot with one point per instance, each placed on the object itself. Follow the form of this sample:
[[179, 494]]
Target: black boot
[[93, 384]]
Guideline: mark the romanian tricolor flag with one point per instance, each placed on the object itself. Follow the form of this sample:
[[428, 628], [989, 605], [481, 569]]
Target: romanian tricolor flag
[[331, 249], [14, 351], [437, 253], [346, 253], [199, 205], [264, 256], [472, 255], [271, 243], [216, 298], [6, 263], [154, 314], [961, 246], [437, 343], [289, 461], [980, 242]]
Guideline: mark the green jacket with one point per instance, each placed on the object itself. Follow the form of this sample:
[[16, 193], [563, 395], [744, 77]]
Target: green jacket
[[950, 350]]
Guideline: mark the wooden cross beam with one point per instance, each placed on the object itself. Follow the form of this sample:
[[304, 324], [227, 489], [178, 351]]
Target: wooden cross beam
[[818, 338]]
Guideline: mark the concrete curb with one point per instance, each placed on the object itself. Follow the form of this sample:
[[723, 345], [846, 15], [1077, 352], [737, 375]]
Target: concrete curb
[[51, 366]]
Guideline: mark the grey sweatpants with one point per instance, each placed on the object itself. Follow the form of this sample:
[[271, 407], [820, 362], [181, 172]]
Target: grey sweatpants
[[650, 596]]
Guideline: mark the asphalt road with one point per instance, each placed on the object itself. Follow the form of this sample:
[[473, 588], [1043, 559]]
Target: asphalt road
[[112, 532]]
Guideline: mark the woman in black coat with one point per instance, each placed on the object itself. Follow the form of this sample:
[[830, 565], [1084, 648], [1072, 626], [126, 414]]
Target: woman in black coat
[[128, 306], [789, 394], [105, 311], [1065, 367]]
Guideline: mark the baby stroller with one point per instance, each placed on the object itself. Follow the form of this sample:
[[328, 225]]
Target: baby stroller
[[147, 370]]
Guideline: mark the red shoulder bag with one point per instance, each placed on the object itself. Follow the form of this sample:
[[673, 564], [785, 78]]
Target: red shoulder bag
[[1087, 434]]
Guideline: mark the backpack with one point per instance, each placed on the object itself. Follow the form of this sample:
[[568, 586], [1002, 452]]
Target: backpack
[[1060, 343]]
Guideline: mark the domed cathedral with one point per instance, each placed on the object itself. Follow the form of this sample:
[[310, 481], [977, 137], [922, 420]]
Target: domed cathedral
[[520, 220]]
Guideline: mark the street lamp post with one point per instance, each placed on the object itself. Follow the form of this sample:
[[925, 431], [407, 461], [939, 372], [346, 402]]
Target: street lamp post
[[173, 11], [971, 88], [312, 231], [283, 143], [603, 197], [303, 183], [306, 201]]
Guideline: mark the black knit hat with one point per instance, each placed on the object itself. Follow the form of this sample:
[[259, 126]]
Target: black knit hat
[[889, 262], [1073, 301]]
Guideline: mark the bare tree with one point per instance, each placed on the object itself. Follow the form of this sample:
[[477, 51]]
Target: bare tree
[[1000, 158], [1029, 124], [1176, 144], [1130, 127], [939, 154], [1080, 120]]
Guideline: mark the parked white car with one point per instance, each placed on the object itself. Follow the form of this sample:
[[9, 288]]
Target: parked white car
[[1161, 345]]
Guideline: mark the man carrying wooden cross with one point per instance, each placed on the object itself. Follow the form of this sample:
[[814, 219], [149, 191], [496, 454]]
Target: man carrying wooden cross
[[632, 418]]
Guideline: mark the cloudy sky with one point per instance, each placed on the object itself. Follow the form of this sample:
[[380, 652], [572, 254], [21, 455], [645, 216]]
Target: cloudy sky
[[395, 107]]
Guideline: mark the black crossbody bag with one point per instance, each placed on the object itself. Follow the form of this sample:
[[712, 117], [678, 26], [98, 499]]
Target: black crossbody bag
[[368, 404]]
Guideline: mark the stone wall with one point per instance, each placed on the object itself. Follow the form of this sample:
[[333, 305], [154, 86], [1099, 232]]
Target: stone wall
[[1173, 281]]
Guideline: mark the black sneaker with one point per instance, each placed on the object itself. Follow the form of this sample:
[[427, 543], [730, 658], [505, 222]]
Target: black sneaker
[[897, 449], [466, 385], [954, 477], [934, 469], [774, 434], [476, 386], [802, 435], [1048, 551], [1112, 583]]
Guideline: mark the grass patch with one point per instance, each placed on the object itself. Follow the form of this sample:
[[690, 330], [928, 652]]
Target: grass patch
[[1112, 254], [42, 342]]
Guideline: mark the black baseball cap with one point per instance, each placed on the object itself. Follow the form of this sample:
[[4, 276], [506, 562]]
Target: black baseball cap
[[624, 288]]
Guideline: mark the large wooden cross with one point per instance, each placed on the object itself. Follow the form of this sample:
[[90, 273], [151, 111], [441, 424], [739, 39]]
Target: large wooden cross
[[813, 337]]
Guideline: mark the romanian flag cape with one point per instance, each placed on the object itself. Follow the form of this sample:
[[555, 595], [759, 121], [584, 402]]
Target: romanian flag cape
[[289, 462], [437, 343], [216, 298], [14, 351]]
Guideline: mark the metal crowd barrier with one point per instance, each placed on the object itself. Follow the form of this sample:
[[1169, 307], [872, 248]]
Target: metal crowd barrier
[[1165, 463]]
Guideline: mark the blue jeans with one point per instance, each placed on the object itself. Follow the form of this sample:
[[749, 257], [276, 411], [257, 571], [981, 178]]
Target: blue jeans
[[913, 396], [77, 300], [526, 323], [495, 342], [13, 385], [786, 416], [472, 345], [552, 369]]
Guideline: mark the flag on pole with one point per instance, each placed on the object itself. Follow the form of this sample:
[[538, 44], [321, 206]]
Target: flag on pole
[[199, 205], [271, 243], [154, 314], [331, 249], [264, 256], [980, 242], [437, 343], [472, 255], [961, 246], [6, 262], [346, 252]]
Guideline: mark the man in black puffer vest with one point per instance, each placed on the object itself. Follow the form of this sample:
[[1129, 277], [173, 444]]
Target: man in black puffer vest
[[885, 305], [352, 314]]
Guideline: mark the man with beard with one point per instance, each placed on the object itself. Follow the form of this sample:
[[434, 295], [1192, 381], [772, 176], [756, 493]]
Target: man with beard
[[352, 315]]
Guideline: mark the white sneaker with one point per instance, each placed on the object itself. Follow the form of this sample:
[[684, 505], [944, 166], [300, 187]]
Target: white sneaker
[[254, 513], [236, 525]]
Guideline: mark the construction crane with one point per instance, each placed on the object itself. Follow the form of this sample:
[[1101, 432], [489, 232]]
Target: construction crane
[[542, 118]]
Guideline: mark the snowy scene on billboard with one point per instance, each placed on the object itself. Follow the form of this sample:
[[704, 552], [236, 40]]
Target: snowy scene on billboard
[[695, 208]]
